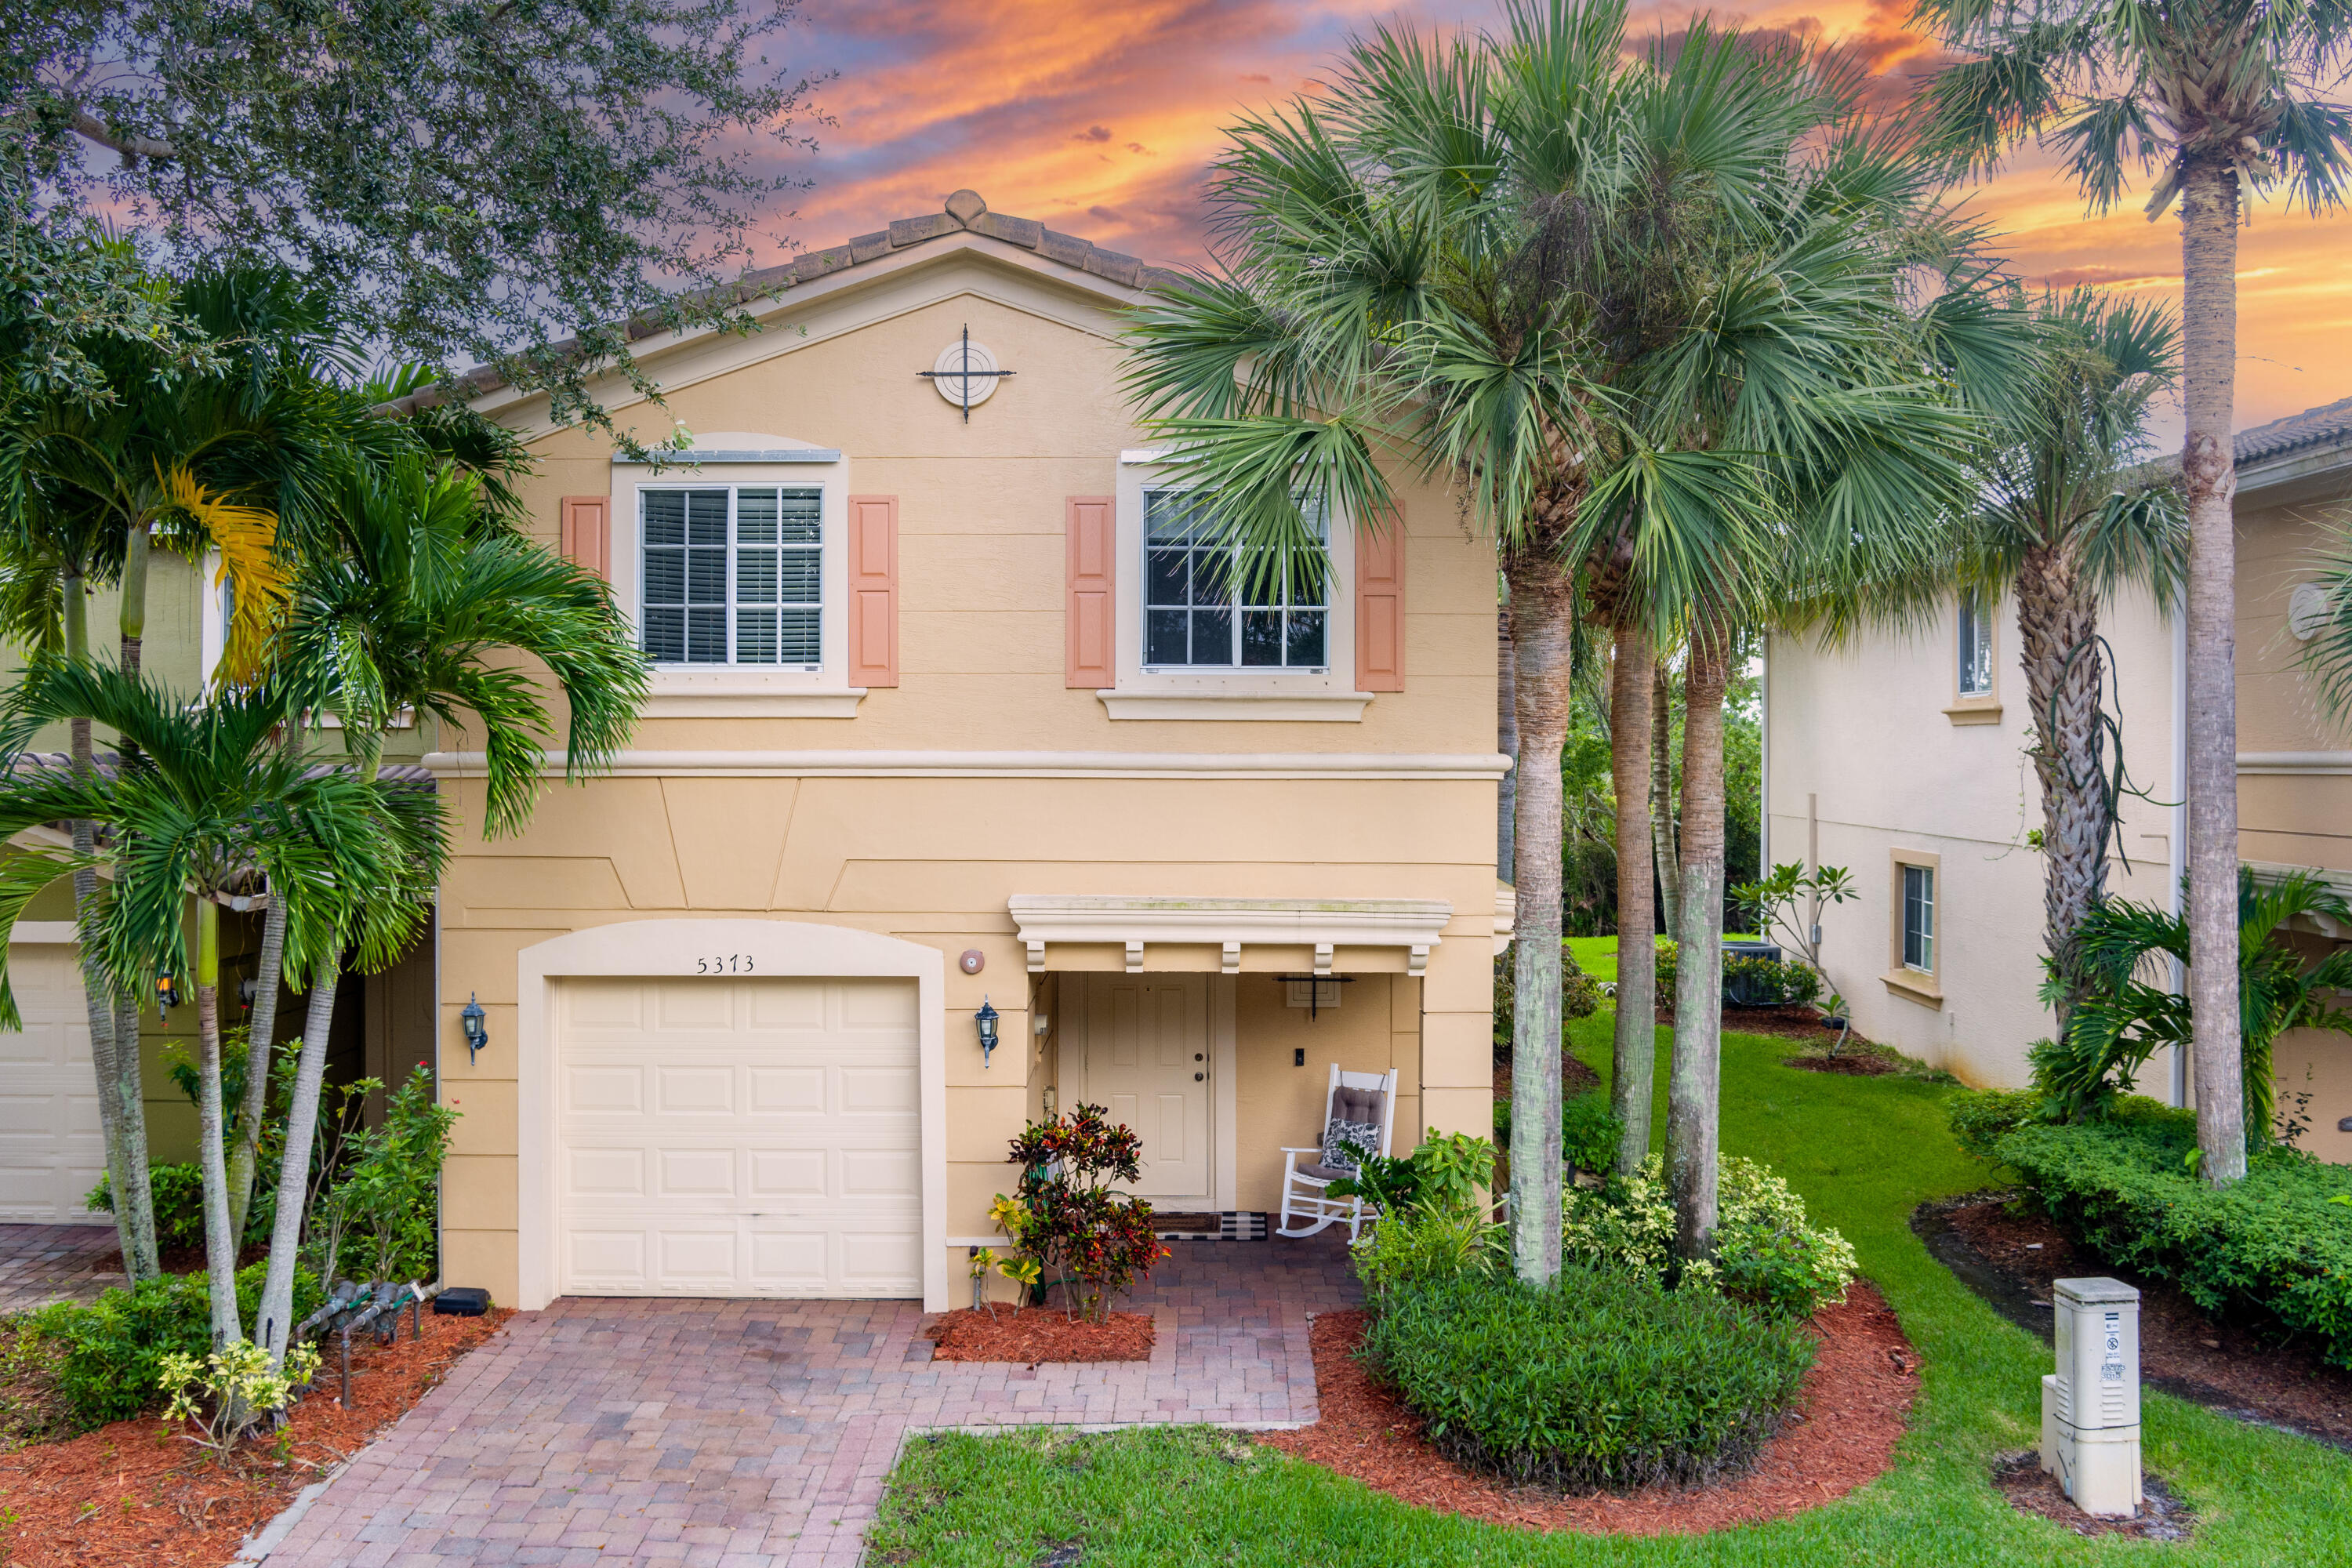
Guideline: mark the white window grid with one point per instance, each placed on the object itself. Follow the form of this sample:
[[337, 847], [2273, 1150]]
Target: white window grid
[[1919, 919], [1976, 647], [1203, 610], [732, 575]]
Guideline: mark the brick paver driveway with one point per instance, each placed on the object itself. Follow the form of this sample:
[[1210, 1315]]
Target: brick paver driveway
[[740, 1434], [44, 1263]]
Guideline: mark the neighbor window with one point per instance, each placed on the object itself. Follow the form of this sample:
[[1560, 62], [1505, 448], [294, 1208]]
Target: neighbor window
[[1919, 919], [732, 575], [1976, 646], [1208, 603]]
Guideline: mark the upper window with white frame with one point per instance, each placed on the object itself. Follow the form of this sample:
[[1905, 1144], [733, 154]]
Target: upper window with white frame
[[1974, 644], [1211, 604], [1919, 919], [733, 574]]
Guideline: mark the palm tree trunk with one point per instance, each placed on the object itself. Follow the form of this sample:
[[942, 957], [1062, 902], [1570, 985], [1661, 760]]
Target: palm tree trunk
[[2057, 621], [1542, 611], [122, 1117], [1694, 1090], [1632, 738], [220, 1240], [1507, 739], [245, 1148], [276, 1309], [130, 1089], [2209, 312], [1665, 854]]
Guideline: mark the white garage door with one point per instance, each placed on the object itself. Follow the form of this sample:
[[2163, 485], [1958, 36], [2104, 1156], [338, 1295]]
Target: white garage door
[[51, 1150], [738, 1137]]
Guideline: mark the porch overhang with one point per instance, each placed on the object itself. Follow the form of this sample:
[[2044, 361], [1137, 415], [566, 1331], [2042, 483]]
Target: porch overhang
[[1132, 921]]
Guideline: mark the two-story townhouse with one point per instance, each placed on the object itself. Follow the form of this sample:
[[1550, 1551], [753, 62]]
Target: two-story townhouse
[[955, 711], [1904, 760]]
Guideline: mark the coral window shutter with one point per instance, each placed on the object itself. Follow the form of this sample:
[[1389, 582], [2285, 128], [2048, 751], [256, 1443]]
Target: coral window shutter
[[585, 533], [1380, 606], [1090, 607], [873, 591]]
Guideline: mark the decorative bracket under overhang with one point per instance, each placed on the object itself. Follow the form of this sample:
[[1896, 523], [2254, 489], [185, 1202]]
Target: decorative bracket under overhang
[[1229, 924]]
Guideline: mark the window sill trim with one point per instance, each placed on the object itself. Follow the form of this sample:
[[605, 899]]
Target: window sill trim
[[1914, 986], [1974, 713], [749, 701], [1227, 707]]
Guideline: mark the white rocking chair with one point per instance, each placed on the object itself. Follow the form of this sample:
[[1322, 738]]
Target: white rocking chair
[[1364, 1098]]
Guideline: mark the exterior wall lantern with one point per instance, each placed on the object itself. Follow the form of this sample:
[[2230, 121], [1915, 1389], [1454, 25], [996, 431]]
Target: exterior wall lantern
[[478, 1031], [985, 1021], [167, 995]]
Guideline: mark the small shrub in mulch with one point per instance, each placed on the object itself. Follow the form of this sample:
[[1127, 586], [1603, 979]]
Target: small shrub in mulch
[[1605, 1379], [2029, 1489], [1033, 1334], [1850, 1416], [136, 1493]]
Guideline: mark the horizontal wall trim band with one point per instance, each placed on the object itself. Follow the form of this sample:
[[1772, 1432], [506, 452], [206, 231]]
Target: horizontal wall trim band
[[1432, 765], [703, 459], [2294, 762]]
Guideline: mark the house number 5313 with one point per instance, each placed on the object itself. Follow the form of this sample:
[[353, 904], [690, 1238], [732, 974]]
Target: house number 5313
[[725, 963]]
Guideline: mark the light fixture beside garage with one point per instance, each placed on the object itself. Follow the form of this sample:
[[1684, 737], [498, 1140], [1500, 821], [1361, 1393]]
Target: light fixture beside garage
[[475, 1023], [985, 1020]]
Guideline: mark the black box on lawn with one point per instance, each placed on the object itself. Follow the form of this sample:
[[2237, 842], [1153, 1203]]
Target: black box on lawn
[[462, 1301]]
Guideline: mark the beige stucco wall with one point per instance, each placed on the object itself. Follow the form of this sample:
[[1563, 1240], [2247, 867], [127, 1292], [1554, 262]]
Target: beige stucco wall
[[1864, 732], [934, 860]]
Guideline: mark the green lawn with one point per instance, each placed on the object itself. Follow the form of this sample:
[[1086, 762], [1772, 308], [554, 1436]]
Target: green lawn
[[1862, 1152], [1597, 955]]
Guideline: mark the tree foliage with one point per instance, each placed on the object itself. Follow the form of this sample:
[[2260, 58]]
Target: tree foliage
[[532, 184]]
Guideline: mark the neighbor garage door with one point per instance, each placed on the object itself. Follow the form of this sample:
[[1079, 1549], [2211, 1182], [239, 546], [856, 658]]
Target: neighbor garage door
[[51, 1150], [738, 1137]]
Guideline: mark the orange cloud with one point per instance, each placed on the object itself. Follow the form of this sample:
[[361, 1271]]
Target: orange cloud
[[1103, 121]]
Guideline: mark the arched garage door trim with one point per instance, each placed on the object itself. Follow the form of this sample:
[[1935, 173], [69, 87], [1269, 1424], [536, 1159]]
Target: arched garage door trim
[[667, 949]]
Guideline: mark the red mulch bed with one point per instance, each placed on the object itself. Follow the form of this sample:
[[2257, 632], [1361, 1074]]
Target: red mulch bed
[[1034, 1334], [135, 1493], [2235, 1368], [1850, 1416], [1857, 1066]]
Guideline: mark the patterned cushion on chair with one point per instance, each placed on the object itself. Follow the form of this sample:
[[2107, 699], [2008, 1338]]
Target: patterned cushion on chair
[[1341, 1132]]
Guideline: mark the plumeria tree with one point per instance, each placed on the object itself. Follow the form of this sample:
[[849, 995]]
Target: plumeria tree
[[2212, 100]]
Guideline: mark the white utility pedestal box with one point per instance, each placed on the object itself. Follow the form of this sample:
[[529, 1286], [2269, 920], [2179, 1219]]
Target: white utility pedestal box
[[2090, 1406]]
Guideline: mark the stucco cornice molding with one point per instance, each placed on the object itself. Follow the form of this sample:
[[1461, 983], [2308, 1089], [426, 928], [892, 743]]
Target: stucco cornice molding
[[1134, 922], [2321, 762], [1481, 767]]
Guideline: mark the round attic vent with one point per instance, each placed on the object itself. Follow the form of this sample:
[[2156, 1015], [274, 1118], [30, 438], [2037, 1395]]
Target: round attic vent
[[965, 373]]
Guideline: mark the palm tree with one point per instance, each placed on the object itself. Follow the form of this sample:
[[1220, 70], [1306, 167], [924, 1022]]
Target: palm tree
[[417, 603], [211, 805], [2067, 516], [2122, 1019], [2220, 96], [1405, 288]]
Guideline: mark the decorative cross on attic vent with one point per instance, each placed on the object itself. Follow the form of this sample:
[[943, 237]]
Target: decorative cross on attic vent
[[960, 364]]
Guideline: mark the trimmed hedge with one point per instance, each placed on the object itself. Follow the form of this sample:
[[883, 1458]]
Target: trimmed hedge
[[114, 1347], [1605, 1380], [2277, 1246]]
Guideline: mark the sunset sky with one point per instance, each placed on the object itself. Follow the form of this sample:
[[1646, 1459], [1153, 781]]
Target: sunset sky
[[1100, 117]]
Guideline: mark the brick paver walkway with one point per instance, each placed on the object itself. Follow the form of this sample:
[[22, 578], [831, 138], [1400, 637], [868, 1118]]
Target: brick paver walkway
[[44, 1263], [745, 1434]]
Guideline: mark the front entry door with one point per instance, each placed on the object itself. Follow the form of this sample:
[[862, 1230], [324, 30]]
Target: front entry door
[[1146, 1058]]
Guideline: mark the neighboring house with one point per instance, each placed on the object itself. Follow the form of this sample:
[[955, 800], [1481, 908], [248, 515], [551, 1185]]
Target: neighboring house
[[51, 1153], [1904, 760], [951, 708]]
